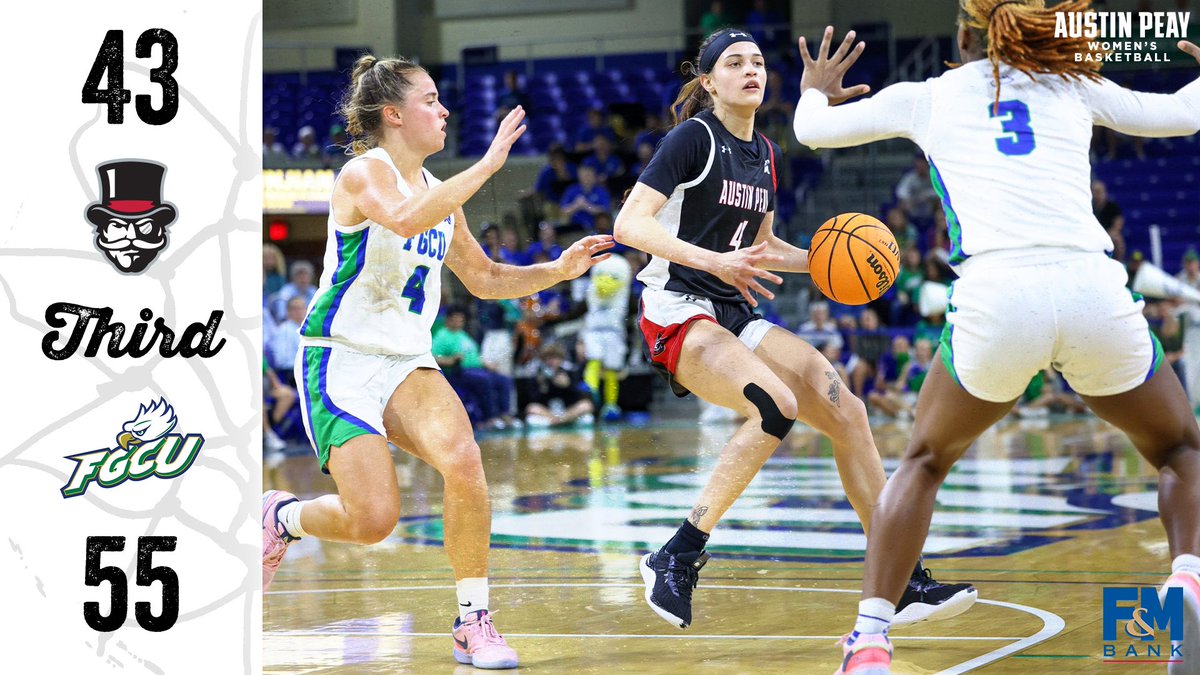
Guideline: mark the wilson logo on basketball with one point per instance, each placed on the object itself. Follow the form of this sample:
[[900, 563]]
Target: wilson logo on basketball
[[145, 447], [884, 280]]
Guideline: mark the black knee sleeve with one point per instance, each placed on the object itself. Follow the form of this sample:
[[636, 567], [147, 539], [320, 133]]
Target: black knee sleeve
[[773, 421]]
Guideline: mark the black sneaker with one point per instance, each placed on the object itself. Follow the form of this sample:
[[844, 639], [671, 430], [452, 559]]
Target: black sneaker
[[926, 599], [669, 583]]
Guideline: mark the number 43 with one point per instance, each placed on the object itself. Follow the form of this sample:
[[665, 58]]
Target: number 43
[[110, 58]]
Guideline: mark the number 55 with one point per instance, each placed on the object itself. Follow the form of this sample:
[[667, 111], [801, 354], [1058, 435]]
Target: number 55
[[147, 574]]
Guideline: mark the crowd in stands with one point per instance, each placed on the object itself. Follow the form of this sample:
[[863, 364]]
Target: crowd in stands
[[526, 362], [308, 151]]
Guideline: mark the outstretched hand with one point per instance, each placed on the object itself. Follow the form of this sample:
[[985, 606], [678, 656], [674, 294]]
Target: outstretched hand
[[1190, 49], [825, 73], [582, 255], [741, 269], [507, 133]]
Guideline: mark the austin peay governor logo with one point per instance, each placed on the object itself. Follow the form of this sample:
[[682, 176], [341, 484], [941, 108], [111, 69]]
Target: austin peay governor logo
[[131, 218], [145, 447], [130, 221]]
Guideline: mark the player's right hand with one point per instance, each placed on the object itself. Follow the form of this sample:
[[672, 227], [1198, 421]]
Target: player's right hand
[[1190, 49], [741, 270], [509, 131]]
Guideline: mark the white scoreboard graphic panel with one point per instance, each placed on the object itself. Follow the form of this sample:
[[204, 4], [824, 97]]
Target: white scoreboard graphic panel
[[130, 470]]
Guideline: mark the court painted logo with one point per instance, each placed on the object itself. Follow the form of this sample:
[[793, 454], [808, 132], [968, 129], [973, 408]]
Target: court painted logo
[[796, 510], [145, 447], [1134, 620]]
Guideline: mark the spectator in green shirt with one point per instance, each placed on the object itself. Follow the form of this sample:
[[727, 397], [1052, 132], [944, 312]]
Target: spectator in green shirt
[[458, 355], [908, 288], [713, 19]]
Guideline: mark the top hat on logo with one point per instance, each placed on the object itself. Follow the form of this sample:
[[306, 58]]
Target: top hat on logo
[[131, 189]]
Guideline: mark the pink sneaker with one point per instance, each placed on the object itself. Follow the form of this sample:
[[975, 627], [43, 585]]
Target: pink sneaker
[[871, 654], [275, 538], [477, 643], [1190, 648]]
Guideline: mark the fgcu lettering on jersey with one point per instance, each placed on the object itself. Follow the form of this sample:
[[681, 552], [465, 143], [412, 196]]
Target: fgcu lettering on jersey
[[430, 242], [743, 196], [145, 447]]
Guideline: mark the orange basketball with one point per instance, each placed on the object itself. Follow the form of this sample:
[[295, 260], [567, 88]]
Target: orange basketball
[[853, 258]]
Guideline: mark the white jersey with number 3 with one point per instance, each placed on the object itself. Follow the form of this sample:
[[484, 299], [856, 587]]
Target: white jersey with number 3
[[1010, 177], [379, 291]]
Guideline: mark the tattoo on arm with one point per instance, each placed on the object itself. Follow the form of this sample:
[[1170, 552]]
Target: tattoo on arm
[[697, 514], [835, 388]]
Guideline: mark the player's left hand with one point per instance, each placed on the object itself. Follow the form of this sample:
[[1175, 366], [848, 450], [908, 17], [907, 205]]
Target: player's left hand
[[825, 72], [580, 257]]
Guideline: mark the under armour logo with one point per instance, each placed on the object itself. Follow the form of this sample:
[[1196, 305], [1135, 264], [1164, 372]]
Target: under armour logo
[[690, 298], [732, 35], [767, 166], [725, 148]]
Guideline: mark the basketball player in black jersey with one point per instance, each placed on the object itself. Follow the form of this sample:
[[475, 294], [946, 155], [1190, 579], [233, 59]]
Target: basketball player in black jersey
[[703, 208]]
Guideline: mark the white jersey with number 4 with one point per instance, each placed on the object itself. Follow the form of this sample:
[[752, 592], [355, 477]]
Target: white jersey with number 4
[[379, 291], [1010, 177]]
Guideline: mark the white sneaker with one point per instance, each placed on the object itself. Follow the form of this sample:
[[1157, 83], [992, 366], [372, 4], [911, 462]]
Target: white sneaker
[[1189, 582]]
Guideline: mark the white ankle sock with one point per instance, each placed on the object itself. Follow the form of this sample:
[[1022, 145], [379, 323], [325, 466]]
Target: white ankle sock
[[472, 595], [1186, 563], [289, 516], [874, 616]]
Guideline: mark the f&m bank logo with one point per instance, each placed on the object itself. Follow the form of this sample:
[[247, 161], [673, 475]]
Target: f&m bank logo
[[1134, 622]]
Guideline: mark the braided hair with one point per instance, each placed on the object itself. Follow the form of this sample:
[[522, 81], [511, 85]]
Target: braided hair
[[1021, 34]]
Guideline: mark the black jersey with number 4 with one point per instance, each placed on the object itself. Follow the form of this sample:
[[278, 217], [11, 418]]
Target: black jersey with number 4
[[719, 189]]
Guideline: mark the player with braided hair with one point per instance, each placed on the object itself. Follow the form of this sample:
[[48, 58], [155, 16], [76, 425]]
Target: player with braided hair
[[1023, 32], [1007, 137]]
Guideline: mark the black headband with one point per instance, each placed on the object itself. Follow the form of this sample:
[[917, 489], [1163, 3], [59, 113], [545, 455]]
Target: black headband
[[992, 15], [708, 57]]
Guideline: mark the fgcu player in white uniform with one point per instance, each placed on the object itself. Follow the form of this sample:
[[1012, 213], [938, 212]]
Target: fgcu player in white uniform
[[1035, 286], [366, 371], [368, 327], [704, 209]]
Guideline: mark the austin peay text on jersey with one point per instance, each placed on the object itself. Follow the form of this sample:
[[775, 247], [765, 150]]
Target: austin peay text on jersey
[[744, 196]]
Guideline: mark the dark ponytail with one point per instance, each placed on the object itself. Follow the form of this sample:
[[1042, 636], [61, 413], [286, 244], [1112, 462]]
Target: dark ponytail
[[692, 97]]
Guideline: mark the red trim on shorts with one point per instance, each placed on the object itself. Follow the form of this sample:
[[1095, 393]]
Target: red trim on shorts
[[665, 343]]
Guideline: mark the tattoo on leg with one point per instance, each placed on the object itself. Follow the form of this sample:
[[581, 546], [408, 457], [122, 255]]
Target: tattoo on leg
[[697, 514], [835, 390]]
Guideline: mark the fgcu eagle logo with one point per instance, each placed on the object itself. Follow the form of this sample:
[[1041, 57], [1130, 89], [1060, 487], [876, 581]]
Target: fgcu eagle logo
[[145, 447]]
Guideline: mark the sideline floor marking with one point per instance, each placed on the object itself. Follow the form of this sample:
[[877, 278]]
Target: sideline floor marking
[[1052, 624]]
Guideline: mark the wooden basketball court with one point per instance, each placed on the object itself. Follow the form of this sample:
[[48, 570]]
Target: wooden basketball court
[[1041, 515]]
